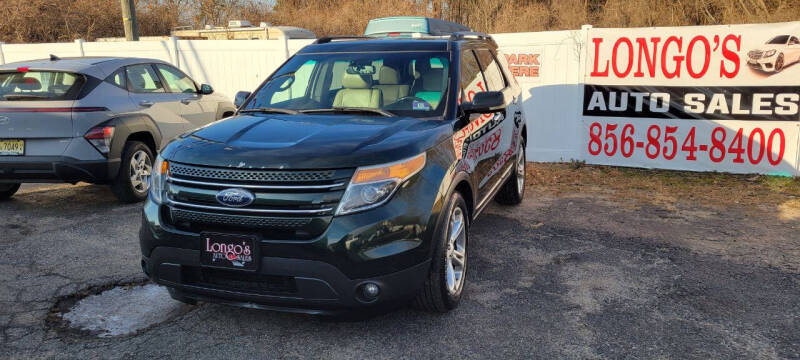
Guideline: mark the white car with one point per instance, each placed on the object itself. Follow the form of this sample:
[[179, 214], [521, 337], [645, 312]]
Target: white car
[[776, 53]]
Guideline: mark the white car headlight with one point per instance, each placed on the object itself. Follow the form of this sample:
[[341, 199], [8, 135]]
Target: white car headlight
[[769, 53], [373, 186], [158, 178]]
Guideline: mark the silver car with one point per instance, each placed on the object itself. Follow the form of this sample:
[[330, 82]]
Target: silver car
[[98, 120]]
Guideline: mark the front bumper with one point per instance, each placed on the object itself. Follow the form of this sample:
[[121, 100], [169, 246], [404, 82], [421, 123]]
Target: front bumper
[[766, 64], [389, 246], [295, 285], [21, 169]]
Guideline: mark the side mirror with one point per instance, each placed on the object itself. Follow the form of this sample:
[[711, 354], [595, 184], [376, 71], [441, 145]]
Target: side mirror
[[206, 89], [485, 102], [241, 96]]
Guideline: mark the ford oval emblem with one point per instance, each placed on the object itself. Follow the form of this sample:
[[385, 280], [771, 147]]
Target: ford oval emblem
[[235, 197]]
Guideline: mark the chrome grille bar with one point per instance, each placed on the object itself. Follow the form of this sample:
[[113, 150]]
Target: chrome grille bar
[[248, 210], [251, 186]]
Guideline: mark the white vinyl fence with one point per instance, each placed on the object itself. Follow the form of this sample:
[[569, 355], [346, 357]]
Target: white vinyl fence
[[721, 116], [227, 65]]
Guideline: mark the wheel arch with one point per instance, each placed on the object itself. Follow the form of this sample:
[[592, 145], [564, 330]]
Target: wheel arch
[[137, 127]]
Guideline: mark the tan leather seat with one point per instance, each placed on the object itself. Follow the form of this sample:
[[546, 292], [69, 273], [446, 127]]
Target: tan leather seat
[[389, 84], [357, 92], [431, 87]]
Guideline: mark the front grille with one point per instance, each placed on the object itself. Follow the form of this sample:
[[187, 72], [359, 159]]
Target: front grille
[[287, 205], [238, 280], [245, 221], [755, 54], [187, 171]]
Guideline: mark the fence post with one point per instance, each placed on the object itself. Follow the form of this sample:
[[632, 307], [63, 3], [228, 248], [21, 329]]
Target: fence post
[[174, 42], [79, 42], [582, 64], [797, 157], [285, 40], [2, 57]]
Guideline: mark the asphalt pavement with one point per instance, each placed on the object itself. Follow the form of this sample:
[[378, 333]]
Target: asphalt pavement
[[538, 288]]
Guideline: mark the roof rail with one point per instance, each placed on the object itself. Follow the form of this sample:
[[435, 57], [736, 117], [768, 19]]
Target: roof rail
[[327, 39], [462, 35], [458, 35]]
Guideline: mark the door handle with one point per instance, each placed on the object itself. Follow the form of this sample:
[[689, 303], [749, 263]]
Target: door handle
[[186, 101], [145, 103]]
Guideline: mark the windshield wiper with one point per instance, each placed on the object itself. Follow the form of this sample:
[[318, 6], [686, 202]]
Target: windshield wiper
[[349, 110], [271, 110]]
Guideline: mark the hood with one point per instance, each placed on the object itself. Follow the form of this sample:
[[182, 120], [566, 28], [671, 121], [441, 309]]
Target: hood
[[271, 141]]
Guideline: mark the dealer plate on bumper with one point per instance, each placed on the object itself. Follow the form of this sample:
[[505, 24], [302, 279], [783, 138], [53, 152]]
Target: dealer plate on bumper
[[229, 251], [12, 147]]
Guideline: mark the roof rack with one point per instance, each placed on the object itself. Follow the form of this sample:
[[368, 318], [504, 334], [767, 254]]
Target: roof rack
[[327, 39], [469, 35], [466, 35]]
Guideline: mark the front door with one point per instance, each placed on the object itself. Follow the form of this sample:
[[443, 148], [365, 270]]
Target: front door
[[486, 136], [187, 95], [148, 93]]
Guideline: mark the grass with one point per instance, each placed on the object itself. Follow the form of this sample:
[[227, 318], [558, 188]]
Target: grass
[[666, 186]]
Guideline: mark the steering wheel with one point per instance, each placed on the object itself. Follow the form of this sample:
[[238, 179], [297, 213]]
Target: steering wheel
[[408, 99]]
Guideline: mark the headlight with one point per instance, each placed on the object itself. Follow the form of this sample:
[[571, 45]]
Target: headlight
[[372, 186], [158, 178], [769, 53]]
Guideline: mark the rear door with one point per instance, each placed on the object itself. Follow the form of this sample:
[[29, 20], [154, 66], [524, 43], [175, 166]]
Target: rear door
[[195, 108], [36, 111], [147, 92]]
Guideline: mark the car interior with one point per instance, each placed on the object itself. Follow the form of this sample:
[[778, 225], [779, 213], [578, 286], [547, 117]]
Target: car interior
[[403, 84], [37, 84]]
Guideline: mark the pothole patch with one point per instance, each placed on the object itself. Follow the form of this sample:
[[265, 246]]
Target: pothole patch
[[114, 310]]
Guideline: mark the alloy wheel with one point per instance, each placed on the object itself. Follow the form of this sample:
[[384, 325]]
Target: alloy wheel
[[140, 170], [456, 255], [521, 170]]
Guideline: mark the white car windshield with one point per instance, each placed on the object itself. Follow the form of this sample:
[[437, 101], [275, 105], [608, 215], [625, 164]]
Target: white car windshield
[[779, 40]]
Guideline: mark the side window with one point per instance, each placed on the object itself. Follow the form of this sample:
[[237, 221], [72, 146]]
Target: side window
[[118, 79], [470, 77], [298, 86], [794, 41], [143, 79], [177, 81], [491, 70]]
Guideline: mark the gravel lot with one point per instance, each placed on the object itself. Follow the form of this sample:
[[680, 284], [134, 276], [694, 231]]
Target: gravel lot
[[577, 271]]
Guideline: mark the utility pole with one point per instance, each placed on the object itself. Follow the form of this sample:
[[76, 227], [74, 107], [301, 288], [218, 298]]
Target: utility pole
[[129, 20]]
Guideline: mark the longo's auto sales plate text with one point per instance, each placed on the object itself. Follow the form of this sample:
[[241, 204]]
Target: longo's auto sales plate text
[[721, 98]]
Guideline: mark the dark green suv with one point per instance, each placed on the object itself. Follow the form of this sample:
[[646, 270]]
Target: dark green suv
[[348, 179]]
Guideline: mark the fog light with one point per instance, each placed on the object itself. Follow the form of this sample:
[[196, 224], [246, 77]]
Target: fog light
[[370, 290]]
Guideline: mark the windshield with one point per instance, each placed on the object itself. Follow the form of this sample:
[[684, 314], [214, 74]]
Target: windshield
[[380, 83], [39, 85], [779, 40]]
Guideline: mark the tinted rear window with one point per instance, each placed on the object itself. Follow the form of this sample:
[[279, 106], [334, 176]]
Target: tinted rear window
[[39, 85]]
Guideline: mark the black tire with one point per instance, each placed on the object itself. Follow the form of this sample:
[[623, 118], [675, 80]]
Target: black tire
[[8, 190], [123, 186], [435, 295], [779, 63], [513, 191], [177, 295]]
